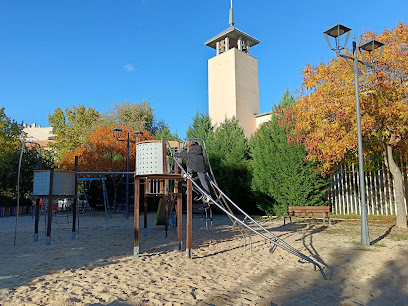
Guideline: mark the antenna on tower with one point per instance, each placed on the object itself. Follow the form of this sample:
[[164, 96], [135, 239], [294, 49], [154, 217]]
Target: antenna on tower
[[231, 16]]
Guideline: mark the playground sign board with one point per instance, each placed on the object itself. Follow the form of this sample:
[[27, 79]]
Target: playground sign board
[[63, 183]]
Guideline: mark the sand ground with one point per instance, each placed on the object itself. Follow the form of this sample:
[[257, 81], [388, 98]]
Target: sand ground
[[98, 268]]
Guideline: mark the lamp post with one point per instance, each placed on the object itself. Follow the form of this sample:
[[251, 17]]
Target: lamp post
[[117, 133], [335, 32], [18, 180]]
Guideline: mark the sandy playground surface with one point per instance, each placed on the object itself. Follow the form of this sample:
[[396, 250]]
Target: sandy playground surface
[[98, 267]]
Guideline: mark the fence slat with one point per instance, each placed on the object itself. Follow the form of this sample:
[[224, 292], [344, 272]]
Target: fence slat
[[344, 194]]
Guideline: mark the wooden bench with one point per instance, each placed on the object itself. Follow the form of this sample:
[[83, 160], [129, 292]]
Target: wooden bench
[[200, 208], [308, 211]]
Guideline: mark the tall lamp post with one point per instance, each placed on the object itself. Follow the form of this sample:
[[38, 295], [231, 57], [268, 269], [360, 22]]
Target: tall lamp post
[[18, 180], [369, 47], [117, 133]]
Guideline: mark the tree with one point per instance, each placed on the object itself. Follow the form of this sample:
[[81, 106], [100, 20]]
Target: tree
[[10, 147], [10, 133], [165, 132], [132, 116], [104, 153], [229, 151], [9, 170], [324, 119], [201, 127], [72, 128], [280, 175]]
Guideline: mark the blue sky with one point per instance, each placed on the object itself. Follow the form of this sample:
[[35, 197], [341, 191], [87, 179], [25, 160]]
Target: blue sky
[[56, 53]]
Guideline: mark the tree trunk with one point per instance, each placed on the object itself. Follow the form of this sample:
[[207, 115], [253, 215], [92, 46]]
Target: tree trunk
[[398, 186]]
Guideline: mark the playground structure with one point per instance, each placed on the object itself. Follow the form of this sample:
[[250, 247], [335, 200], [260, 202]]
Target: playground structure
[[85, 201], [162, 175], [153, 171], [153, 163], [50, 184]]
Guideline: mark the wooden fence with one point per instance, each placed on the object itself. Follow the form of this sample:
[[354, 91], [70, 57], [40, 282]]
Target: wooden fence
[[344, 194]]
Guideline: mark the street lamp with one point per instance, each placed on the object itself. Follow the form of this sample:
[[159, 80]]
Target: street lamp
[[117, 133], [18, 180], [369, 47], [137, 135]]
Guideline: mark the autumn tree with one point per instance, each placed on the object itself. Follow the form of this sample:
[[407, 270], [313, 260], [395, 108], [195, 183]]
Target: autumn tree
[[72, 127], [324, 119], [104, 153]]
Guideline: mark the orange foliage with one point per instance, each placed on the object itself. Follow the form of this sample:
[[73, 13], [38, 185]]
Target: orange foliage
[[324, 118], [103, 152]]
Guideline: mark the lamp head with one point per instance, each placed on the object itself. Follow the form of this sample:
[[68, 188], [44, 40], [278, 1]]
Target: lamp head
[[137, 135], [117, 132], [335, 32], [370, 47]]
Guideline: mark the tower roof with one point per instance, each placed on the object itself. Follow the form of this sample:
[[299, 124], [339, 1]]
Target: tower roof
[[232, 32]]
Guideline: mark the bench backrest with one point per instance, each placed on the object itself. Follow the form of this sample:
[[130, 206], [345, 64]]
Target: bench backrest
[[308, 210]]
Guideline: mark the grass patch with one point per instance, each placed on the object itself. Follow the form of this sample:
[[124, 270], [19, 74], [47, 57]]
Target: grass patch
[[399, 236], [381, 218], [336, 231], [378, 245]]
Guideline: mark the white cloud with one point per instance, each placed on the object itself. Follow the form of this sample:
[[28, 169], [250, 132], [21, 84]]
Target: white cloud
[[128, 67]]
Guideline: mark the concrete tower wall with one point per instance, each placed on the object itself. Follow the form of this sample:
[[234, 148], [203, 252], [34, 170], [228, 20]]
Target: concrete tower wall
[[247, 88], [221, 87], [233, 88]]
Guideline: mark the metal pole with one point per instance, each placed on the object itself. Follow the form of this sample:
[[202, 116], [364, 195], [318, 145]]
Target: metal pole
[[74, 204], [50, 198], [127, 179], [18, 193], [136, 219], [365, 238]]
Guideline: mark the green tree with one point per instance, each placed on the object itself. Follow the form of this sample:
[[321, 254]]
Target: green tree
[[229, 151], [165, 132], [10, 133], [9, 170], [201, 127], [281, 176], [72, 128], [132, 116]]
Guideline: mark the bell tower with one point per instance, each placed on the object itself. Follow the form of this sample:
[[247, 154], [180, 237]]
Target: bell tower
[[233, 88]]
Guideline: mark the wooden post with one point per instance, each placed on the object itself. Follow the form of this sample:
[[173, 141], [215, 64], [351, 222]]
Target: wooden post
[[37, 207], [189, 238], [166, 206], [37, 219], [189, 242], [164, 148], [136, 218], [179, 215], [74, 205], [145, 203], [50, 194]]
